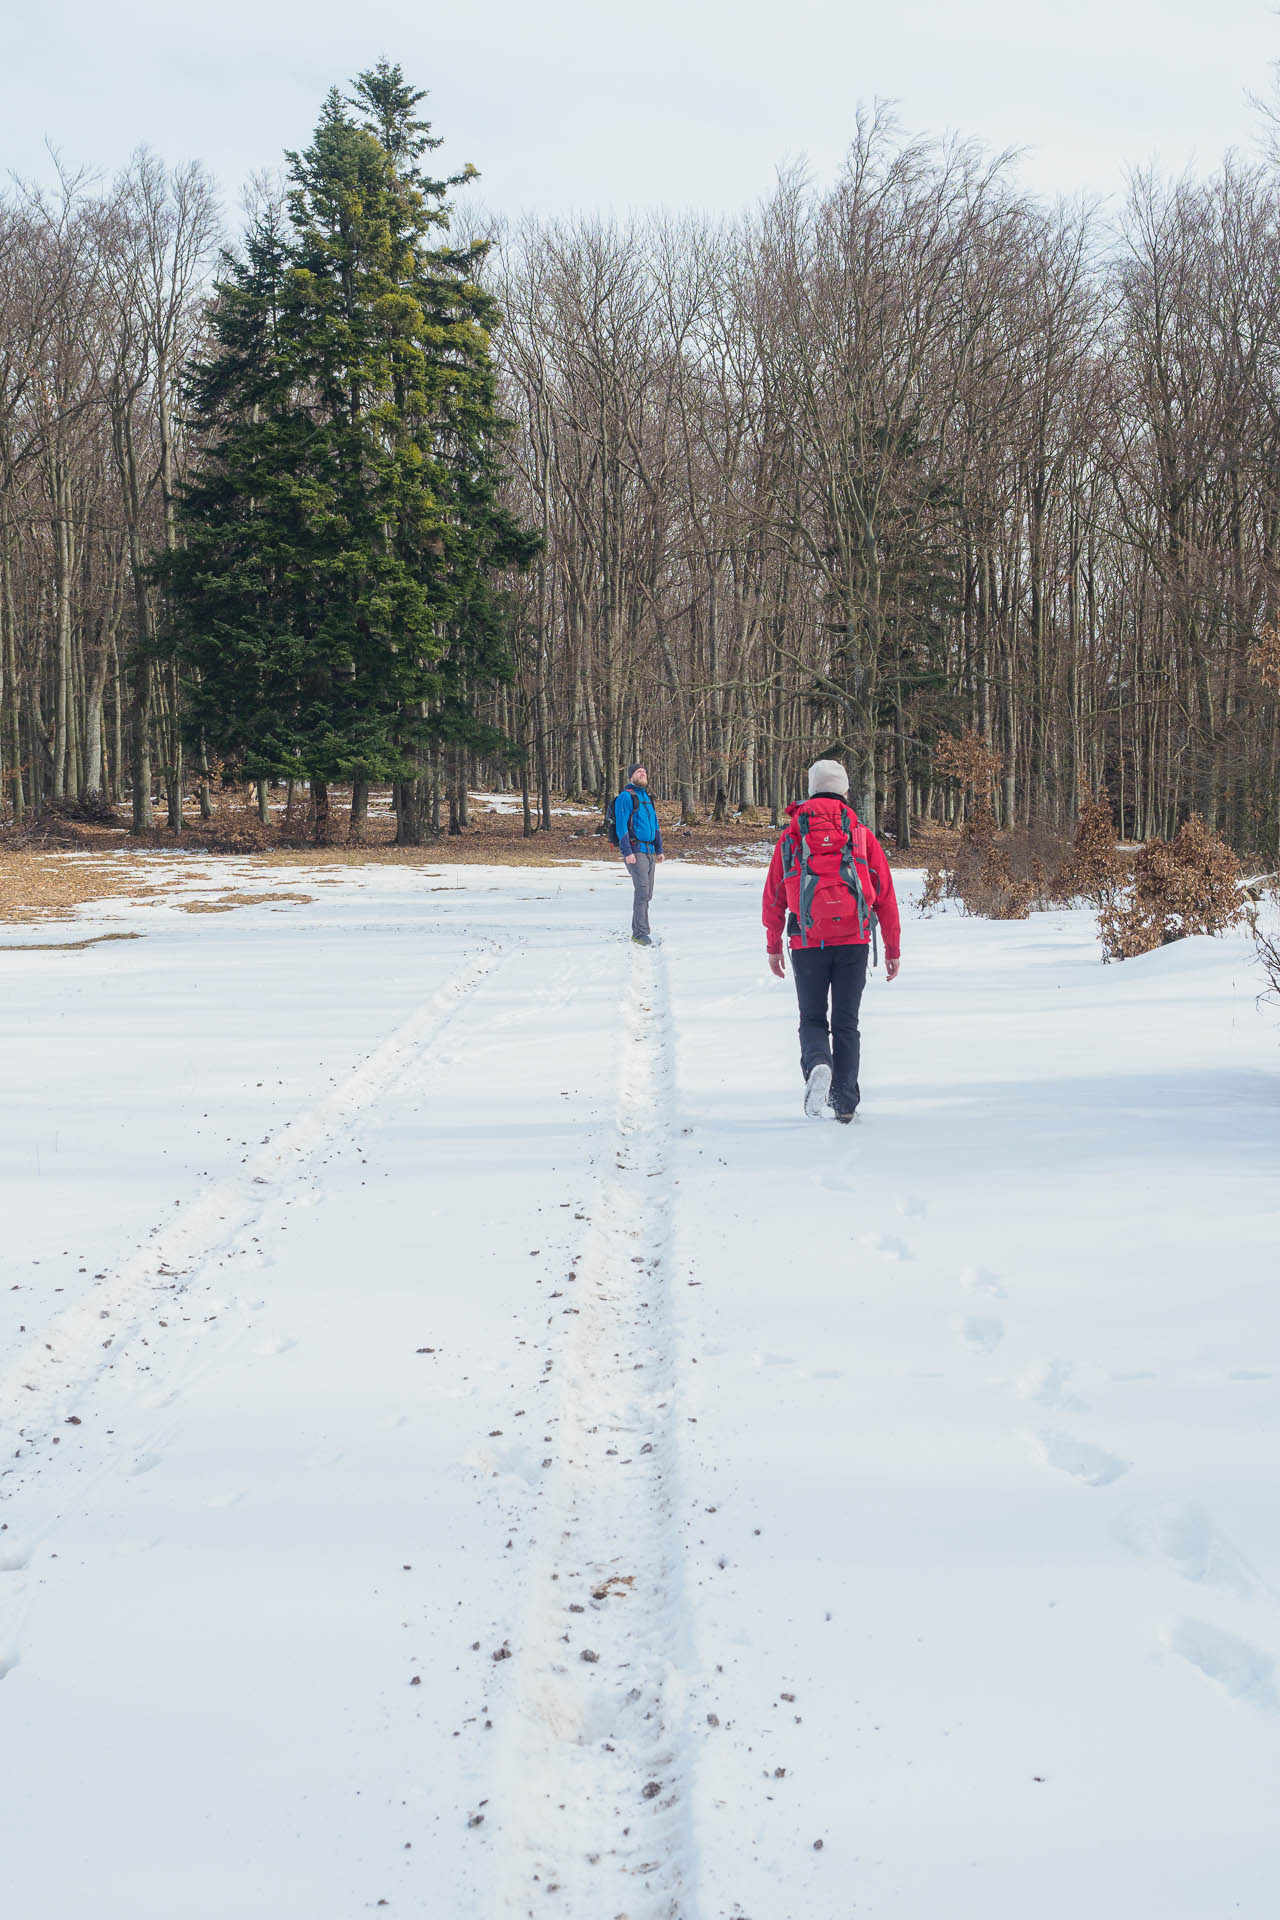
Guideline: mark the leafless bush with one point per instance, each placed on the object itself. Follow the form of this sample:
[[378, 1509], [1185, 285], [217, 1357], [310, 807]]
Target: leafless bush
[[1187, 885], [1269, 954], [1269, 941]]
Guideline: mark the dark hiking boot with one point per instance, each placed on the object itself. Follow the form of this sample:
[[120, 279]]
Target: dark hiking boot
[[845, 1119], [641, 940], [816, 1089]]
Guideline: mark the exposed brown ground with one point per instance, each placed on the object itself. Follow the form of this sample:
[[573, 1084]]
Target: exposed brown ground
[[45, 873], [64, 946], [228, 902]]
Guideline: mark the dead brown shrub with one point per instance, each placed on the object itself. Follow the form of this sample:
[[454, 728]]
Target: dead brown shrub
[[982, 875], [1265, 656], [1094, 867], [1187, 885], [934, 891], [975, 765], [992, 875]]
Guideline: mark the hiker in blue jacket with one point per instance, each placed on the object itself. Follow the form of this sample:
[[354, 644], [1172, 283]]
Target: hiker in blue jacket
[[635, 820]]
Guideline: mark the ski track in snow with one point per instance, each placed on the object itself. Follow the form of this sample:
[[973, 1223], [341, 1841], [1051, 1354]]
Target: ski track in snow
[[46, 1380], [592, 1805]]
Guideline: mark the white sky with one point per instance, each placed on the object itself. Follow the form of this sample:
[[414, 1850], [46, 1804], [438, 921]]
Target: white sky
[[566, 104]]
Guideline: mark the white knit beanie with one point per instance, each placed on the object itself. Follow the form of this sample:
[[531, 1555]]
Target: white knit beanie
[[828, 776]]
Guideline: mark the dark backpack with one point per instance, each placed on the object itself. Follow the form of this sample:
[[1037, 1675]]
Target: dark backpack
[[610, 816]]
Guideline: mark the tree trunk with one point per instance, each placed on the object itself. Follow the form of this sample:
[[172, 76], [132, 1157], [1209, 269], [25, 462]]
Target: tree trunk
[[321, 825], [358, 824]]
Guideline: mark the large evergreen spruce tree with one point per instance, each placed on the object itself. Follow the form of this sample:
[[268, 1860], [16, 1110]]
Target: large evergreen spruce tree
[[336, 599]]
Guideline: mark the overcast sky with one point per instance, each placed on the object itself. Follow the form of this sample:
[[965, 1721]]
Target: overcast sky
[[582, 104]]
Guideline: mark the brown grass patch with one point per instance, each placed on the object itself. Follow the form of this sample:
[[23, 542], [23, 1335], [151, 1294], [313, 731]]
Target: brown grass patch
[[228, 902], [39, 885], [64, 947]]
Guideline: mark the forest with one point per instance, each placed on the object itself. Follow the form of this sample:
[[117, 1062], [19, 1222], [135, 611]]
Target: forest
[[880, 463]]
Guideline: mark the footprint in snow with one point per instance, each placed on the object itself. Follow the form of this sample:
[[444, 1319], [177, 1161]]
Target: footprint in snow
[[888, 1244], [1046, 1382], [1083, 1461], [13, 1558], [131, 1545], [913, 1206], [979, 1334], [1187, 1537], [505, 1463], [276, 1343], [144, 1463], [1242, 1671], [979, 1280], [9, 1658]]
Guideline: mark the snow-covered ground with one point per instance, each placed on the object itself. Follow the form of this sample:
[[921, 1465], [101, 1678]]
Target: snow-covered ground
[[471, 1447]]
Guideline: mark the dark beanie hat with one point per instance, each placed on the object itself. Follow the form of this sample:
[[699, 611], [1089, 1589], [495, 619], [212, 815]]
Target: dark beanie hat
[[631, 770]]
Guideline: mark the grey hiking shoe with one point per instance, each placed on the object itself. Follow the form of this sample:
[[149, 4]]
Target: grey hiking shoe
[[641, 940], [816, 1089]]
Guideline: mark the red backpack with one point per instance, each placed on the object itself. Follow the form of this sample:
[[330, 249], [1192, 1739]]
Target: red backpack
[[827, 876]]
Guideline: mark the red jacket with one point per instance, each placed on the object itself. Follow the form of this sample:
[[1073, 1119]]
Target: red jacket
[[835, 920]]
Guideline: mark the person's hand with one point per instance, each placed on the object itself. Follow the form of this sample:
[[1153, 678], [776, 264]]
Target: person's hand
[[660, 856], [777, 965], [891, 968], [630, 859]]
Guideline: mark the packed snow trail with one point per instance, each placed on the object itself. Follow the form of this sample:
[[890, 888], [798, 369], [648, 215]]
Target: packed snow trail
[[593, 1806]]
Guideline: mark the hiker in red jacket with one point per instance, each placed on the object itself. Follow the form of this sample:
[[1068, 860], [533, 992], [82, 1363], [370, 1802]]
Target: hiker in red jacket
[[828, 881]]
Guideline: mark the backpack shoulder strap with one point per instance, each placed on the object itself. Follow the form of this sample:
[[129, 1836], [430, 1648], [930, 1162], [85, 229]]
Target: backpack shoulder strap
[[789, 844], [855, 851], [800, 825], [859, 838]]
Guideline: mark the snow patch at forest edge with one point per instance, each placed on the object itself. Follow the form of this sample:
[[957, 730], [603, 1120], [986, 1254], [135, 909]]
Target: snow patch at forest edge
[[950, 1581]]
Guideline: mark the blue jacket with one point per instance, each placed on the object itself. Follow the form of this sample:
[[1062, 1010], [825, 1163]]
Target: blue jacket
[[636, 819]]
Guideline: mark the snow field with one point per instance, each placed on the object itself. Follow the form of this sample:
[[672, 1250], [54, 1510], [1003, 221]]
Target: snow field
[[465, 1267]]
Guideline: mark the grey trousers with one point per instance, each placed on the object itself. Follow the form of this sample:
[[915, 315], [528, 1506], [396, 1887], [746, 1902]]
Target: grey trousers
[[642, 881]]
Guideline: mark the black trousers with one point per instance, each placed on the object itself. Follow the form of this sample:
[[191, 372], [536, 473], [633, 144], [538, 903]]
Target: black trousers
[[838, 975]]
